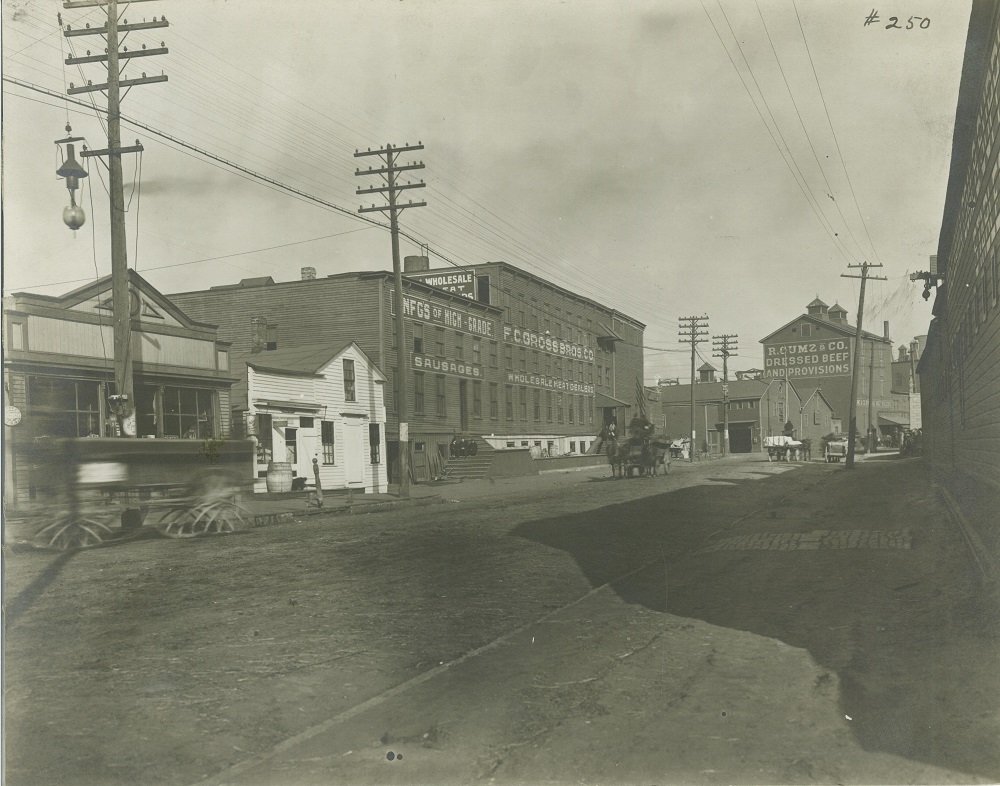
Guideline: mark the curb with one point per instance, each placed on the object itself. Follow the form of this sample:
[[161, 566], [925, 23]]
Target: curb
[[272, 519]]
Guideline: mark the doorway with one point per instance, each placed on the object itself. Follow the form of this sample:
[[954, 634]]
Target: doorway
[[463, 407], [740, 438]]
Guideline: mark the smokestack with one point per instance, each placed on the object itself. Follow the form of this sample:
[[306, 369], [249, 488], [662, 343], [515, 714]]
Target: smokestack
[[258, 334], [885, 329], [308, 273], [416, 264]]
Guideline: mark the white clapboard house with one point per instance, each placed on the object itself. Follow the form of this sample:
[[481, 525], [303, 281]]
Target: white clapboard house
[[318, 401]]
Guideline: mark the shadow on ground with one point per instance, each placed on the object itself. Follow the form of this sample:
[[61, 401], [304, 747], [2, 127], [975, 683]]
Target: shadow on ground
[[912, 641]]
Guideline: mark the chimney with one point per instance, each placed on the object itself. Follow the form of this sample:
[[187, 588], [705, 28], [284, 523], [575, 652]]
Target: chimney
[[308, 273], [416, 264], [258, 334], [885, 329]]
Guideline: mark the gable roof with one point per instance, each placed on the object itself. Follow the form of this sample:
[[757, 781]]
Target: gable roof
[[95, 296], [842, 328], [806, 392]]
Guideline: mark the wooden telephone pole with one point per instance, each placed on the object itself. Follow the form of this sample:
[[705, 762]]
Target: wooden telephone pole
[[852, 431], [691, 333], [389, 169], [123, 399], [725, 346]]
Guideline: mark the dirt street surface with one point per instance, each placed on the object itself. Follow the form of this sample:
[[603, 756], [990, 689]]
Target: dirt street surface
[[735, 622]]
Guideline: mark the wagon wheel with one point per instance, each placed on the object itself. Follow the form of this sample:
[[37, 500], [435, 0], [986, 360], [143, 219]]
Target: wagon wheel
[[214, 516], [67, 531]]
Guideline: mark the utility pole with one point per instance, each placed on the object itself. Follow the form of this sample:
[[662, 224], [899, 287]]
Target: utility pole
[[123, 400], [724, 346], [871, 395], [691, 333], [852, 429], [390, 168]]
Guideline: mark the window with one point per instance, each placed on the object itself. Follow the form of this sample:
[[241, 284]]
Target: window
[[306, 423], [265, 439], [459, 346], [476, 351], [816, 418], [494, 403], [272, 337], [442, 408], [188, 413], [572, 447], [349, 394], [569, 408], [477, 399], [418, 393], [522, 359], [520, 317], [493, 354], [326, 434], [548, 405], [807, 329], [536, 401], [17, 335], [439, 342], [509, 402], [64, 407], [534, 360], [559, 407], [391, 388], [523, 400], [418, 338], [222, 359], [374, 443], [508, 357]]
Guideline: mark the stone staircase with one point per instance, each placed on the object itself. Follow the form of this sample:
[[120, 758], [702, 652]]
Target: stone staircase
[[471, 467]]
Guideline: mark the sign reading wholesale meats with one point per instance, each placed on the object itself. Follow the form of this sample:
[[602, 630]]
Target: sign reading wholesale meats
[[546, 343], [549, 383], [808, 359], [415, 308], [460, 283]]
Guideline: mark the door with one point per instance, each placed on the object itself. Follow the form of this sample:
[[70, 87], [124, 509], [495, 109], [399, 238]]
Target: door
[[354, 450], [463, 407], [292, 447], [740, 439]]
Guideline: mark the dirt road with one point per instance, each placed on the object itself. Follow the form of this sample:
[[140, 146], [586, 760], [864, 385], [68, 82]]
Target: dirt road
[[737, 621]]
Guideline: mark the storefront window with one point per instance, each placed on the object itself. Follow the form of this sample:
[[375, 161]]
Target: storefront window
[[64, 407], [188, 413]]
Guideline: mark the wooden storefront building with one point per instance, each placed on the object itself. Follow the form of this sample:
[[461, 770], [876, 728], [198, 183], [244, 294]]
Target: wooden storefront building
[[59, 371]]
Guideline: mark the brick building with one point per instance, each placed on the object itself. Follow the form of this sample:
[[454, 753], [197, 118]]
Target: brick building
[[491, 350], [960, 367]]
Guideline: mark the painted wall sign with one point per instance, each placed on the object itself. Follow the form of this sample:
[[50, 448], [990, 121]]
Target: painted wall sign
[[545, 343], [416, 308], [445, 366], [461, 282], [549, 383], [808, 359]]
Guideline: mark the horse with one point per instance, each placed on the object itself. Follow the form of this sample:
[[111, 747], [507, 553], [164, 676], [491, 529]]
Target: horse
[[658, 456], [616, 453]]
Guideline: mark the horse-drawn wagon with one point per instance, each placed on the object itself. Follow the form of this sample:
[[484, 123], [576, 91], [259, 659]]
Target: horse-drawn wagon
[[642, 453], [83, 488]]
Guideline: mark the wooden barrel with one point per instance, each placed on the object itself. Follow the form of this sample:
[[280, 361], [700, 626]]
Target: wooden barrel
[[279, 476]]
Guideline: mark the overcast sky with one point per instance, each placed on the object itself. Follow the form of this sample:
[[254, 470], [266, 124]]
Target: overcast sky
[[650, 155]]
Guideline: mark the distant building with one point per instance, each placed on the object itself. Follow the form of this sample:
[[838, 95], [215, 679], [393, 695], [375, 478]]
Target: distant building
[[756, 409], [816, 349]]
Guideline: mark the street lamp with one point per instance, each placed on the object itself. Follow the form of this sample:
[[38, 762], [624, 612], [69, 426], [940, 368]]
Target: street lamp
[[73, 216]]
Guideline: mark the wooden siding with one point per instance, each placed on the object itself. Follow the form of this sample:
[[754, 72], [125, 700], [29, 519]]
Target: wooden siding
[[81, 339]]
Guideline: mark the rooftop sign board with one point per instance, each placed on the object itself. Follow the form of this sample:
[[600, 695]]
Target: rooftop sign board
[[459, 282]]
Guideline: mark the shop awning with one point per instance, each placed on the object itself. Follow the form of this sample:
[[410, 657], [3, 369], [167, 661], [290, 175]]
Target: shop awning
[[601, 400], [893, 420]]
